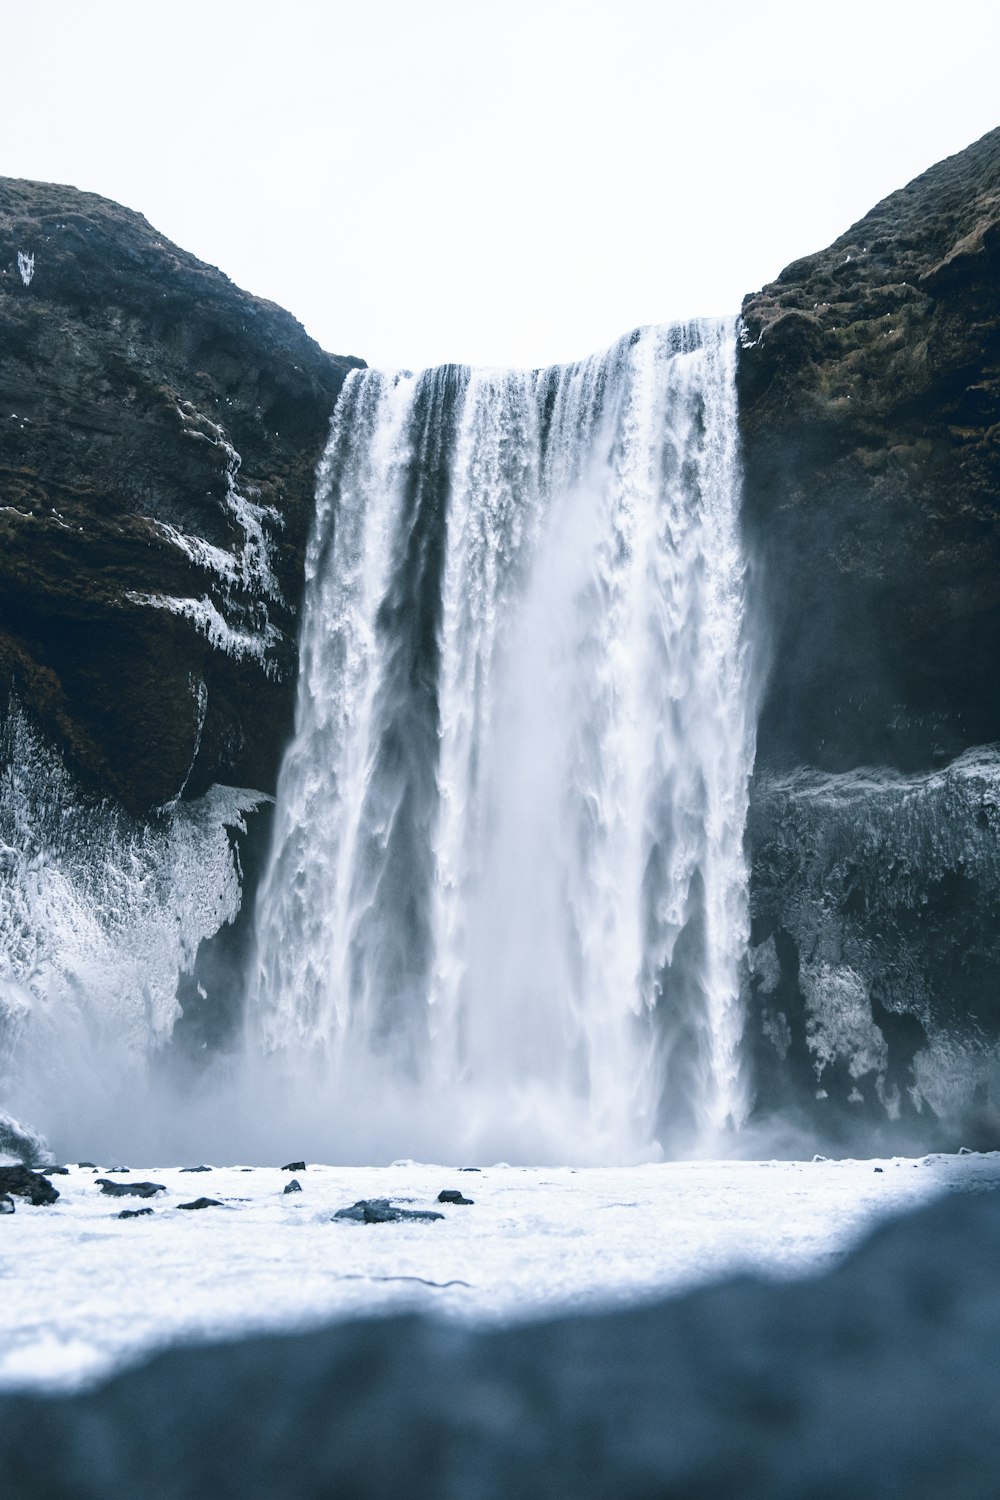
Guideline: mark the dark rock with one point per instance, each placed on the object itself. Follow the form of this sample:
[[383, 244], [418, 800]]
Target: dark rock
[[54, 1171], [6, 1204], [202, 1203], [292, 1187], [21, 1182], [118, 1169], [381, 1211], [133, 1213], [870, 413], [294, 1166], [130, 1189], [452, 1195], [741, 1389], [196, 1169], [875, 953], [92, 1164], [140, 392], [869, 382], [470, 1169]]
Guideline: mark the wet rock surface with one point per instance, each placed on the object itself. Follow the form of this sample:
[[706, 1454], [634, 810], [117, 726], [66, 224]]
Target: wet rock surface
[[159, 430], [745, 1388]]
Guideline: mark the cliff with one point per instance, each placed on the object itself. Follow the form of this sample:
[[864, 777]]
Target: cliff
[[870, 405], [870, 399], [159, 431]]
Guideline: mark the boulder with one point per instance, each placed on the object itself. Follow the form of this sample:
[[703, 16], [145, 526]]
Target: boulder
[[129, 1189], [21, 1182], [381, 1211]]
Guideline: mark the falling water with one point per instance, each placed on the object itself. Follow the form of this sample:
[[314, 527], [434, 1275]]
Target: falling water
[[507, 896]]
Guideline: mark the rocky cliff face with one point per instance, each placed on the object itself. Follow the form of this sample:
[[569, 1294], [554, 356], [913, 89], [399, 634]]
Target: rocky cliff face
[[159, 431], [870, 399]]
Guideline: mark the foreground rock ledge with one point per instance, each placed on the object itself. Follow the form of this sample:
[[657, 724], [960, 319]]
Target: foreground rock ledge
[[878, 1381]]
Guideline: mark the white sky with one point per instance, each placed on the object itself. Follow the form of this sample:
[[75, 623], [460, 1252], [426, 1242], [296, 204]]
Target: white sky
[[494, 181]]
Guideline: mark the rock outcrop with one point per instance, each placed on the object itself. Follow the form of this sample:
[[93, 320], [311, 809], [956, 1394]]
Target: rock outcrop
[[870, 406], [870, 403], [159, 431]]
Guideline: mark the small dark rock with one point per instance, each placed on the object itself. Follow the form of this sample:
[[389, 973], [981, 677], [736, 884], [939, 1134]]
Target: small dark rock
[[87, 1164], [202, 1203], [6, 1204], [133, 1213], [130, 1189], [293, 1187], [196, 1169], [294, 1166], [452, 1195], [877, 1169], [381, 1211], [54, 1171], [22, 1182], [470, 1169], [119, 1170]]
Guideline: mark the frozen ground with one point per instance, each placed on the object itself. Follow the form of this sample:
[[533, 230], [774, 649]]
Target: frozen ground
[[83, 1291]]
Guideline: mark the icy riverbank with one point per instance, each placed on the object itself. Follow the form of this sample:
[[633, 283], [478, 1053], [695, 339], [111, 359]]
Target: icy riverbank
[[85, 1292]]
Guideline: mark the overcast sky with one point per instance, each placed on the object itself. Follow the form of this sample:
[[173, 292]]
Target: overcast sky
[[494, 181]]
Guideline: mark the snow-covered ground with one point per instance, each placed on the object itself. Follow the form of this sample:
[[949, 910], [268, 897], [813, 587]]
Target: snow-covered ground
[[83, 1292]]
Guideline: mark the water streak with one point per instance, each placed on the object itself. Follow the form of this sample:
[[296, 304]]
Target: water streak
[[507, 894]]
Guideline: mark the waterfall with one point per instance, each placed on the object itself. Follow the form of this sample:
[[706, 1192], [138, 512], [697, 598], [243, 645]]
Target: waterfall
[[507, 893]]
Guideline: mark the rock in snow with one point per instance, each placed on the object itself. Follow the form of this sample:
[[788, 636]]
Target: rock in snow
[[381, 1211], [452, 1195], [878, 1381], [202, 1203], [6, 1204], [294, 1186], [21, 1182], [129, 1189]]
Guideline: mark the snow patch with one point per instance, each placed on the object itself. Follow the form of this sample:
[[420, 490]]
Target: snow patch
[[206, 619]]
